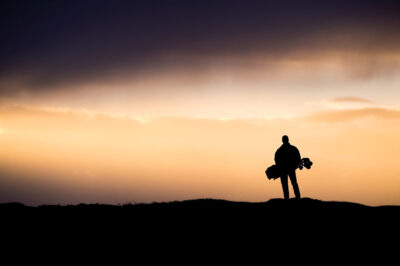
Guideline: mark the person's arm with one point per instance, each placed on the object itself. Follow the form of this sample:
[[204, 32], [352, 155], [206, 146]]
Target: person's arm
[[276, 157], [298, 155], [298, 158]]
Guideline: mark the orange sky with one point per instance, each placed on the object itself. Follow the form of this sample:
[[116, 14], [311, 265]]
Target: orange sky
[[52, 156], [137, 101]]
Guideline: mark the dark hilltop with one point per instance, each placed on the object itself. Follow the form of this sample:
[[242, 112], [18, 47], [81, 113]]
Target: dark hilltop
[[210, 211], [206, 227]]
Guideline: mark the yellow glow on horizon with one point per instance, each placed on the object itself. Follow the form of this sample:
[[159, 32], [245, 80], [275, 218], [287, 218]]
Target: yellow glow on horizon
[[101, 158]]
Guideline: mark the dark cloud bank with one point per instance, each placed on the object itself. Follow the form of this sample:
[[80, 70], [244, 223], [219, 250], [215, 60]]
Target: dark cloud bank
[[48, 43]]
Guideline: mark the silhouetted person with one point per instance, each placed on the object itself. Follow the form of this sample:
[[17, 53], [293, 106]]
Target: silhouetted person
[[287, 157]]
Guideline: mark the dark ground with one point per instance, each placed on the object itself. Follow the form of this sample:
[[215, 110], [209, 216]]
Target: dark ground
[[208, 214], [205, 224]]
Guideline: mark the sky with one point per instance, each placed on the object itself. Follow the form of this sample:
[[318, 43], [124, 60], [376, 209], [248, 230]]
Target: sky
[[142, 101]]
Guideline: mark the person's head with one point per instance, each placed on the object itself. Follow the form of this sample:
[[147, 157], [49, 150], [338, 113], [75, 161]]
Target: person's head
[[285, 139]]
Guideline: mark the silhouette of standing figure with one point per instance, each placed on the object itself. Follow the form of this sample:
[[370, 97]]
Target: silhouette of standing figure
[[287, 157]]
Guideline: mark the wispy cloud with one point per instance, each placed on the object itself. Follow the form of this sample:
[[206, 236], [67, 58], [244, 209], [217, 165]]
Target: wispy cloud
[[353, 114], [348, 102], [350, 99]]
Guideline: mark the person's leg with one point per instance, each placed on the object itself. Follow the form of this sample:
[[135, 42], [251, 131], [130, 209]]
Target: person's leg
[[285, 188], [293, 180]]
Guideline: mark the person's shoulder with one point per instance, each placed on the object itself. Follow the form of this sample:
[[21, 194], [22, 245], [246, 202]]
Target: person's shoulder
[[280, 148], [294, 147]]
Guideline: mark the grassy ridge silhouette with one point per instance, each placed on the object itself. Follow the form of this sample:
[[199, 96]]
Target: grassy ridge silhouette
[[274, 211], [207, 223]]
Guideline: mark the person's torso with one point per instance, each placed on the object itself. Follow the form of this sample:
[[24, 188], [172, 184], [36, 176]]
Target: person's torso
[[287, 156]]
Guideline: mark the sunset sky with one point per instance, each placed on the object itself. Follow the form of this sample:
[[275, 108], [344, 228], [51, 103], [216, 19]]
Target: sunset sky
[[142, 101]]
